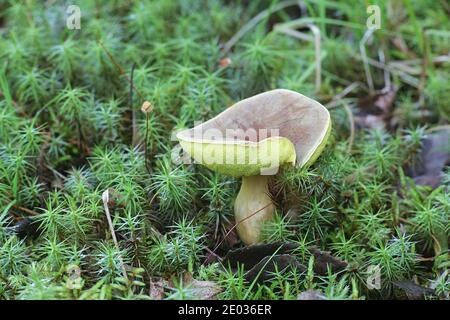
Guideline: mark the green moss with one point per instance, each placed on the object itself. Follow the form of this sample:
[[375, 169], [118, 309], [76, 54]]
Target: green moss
[[68, 132]]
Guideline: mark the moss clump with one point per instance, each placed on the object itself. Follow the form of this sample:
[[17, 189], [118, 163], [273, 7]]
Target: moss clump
[[68, 132]]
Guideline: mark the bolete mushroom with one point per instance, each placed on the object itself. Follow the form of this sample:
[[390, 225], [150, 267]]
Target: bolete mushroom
[[252, 139]]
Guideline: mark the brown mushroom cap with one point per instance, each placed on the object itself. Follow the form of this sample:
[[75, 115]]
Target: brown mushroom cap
[[301, 120]]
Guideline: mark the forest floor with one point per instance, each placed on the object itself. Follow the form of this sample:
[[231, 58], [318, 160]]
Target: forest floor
[[93, 205]]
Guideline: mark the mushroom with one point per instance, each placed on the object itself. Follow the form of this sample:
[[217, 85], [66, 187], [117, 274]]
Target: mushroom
[[252, 139]]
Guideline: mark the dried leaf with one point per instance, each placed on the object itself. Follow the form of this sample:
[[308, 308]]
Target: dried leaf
[[201, 290], [324, 259], [411, 291], [375, 111], [431, 180], [369, 121], [384, 101], [204, 290], [264, 270], [433, 159], [27, 228], [157, 289], [254, 257], [311, 295]]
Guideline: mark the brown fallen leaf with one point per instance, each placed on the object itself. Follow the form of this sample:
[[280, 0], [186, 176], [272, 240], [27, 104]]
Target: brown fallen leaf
[[251, 255], [435, 156], [198, 289], [157, 289], [264, 258], [411, 291], [27, 228], [375, 111], [204, 290], [264, 270], [311, 295], [324, 260], [431, 180]]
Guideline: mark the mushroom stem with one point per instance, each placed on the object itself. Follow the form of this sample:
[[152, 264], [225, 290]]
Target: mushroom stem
[[253, 207]]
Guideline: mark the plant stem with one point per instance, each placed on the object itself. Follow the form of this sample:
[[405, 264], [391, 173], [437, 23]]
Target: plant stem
[[253, 196]]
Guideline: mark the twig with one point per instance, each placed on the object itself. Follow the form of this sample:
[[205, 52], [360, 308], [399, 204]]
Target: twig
[[121, 71], [56, 173], [105, 198], [336, 99], [212, 253], [410, 66], [29, 211], [386, 73], [403, 75]]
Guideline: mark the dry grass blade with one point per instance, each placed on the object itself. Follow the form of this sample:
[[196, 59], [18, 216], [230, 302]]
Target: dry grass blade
[[352, 126], [362, 49], [253, 22], [105, 199], [302, 36]]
